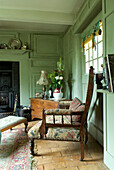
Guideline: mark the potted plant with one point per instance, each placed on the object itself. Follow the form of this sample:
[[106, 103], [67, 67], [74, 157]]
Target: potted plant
[[56, 80]]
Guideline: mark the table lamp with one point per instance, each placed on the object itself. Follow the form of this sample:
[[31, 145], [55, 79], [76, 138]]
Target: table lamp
[[43, 81]]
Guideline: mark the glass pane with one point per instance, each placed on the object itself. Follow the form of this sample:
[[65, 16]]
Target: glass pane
[[87, 68], [100, 49], [99, 37], [95, 65], [90, 43], [90, 53], [95, 52], [86, 46], [91, 64], [86, 56], [96, 39], [100, 61]]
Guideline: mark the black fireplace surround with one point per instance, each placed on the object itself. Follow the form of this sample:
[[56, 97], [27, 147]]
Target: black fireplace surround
[[9, 85]]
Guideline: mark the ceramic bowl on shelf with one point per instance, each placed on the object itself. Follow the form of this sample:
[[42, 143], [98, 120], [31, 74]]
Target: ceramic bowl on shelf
[[15, 43]]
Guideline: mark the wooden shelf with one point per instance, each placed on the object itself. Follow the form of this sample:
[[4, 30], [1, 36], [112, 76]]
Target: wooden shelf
[[104, 91]]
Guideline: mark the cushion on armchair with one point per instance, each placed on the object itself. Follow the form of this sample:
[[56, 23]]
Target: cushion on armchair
[[77, 118], [63, 133], [75, 104]]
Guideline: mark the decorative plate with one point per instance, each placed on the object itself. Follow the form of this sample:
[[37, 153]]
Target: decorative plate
[[15, 43]]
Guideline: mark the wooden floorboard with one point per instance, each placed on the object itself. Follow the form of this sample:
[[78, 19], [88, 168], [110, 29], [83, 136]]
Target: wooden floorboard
[[62, 155]]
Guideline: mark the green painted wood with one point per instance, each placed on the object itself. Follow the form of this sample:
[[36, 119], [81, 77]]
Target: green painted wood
[[75, 63], [46, 45], [87, 13], [108, 36], [46, 56], [36, 16]]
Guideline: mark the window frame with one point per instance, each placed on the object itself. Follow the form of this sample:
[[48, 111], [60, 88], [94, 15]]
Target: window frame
[[90, 60]]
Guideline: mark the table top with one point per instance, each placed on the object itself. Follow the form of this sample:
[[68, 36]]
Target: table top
[[50, 99]]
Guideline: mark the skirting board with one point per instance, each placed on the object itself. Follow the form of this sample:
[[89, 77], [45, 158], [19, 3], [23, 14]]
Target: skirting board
[[95, 132]]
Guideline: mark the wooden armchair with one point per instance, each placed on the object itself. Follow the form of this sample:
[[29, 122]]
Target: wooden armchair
[[66, 124]]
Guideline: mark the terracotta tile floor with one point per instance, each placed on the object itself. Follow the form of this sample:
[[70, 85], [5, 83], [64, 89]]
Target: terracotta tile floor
[[62, 155]]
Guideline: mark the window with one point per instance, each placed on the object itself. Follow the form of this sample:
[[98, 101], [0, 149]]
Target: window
[[94, 56]]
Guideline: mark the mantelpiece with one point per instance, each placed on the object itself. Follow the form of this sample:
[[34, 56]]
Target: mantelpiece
[[14, 51]]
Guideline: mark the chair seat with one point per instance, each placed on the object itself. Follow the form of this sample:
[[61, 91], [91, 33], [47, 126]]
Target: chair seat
[[10, 120], [67, 133], [56, 133]]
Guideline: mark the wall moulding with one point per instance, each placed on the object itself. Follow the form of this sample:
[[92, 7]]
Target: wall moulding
[[46, 45], [91, 10]]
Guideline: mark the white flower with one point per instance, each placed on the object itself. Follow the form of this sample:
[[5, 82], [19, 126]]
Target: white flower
[[57, 77], [61, 78]]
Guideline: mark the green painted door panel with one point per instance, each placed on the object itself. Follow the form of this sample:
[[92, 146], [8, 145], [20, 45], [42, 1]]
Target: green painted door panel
[[110, 34]]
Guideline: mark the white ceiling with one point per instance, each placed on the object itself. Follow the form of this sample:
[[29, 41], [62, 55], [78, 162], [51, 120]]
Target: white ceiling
[[38, 15]]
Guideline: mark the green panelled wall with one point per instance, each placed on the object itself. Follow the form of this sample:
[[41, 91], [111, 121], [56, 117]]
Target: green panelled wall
[[75, 64], [100, 119], [46, 48], [108, 121], [45, 52]]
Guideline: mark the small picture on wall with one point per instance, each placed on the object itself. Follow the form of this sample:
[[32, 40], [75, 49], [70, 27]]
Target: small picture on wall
[[109, 62]]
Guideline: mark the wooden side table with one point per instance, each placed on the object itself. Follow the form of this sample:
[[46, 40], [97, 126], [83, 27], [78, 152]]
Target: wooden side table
[[37, 106]]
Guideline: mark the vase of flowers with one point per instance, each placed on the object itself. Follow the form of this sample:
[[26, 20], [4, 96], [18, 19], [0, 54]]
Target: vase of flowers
[[56, 80], [58, 94]]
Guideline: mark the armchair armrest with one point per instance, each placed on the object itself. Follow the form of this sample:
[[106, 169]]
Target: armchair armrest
[[64, 104], [62, 112], [57, 112]]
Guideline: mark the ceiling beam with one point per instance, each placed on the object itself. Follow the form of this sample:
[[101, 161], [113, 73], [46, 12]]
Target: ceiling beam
[[36, 16]]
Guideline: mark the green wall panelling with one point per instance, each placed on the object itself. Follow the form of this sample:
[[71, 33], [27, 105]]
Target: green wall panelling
[[36, 66], [73, 58], [47, 50], [110, 34], [109, 6], [46, 45], [72, 62], [87, 13], [25, 37], [5, 37], [110, 124], [51, 62], [108, 37]]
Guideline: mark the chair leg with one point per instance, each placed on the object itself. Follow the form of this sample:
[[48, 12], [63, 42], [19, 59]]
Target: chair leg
[[86, 136], [26, 124], [82, 147], [31, 144]]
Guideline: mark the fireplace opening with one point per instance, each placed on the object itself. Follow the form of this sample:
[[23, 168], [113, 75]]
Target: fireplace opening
[[9, 85]]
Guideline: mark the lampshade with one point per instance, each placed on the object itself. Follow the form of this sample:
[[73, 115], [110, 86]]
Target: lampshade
[[43, 79]]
